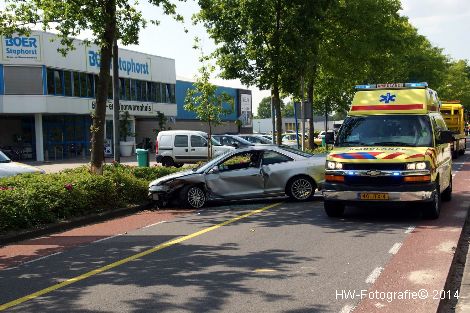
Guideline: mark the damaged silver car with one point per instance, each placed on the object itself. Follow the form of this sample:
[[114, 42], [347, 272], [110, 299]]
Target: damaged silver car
[[248, 173]]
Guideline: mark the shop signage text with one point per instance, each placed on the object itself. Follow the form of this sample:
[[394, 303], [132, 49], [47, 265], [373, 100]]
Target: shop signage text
[[128, 66], [131, 108], [21, 47]]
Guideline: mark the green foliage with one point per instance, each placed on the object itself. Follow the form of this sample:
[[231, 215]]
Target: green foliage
[[34, 199], [456, 83], [264, 107], [124, 126]]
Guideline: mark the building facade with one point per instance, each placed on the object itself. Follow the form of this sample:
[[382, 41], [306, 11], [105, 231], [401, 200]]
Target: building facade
[[46, 99]]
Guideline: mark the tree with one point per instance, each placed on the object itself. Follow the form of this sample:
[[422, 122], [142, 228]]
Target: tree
[[456, 84], [107, 20], [256, 41], [264, 107], [288, 110], [204, 100]]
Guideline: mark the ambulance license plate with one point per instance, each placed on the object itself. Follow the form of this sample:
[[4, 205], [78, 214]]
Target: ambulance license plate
[[373, 196]]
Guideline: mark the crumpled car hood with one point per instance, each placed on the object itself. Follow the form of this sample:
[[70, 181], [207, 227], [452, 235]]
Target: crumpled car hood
[[14, 168], [171, 177]]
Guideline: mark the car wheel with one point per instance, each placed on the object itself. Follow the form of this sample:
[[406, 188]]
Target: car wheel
[[432, 210], [193, 196], [333, 209], [447, 194], [168, 162], [178, 165], [301, 188]]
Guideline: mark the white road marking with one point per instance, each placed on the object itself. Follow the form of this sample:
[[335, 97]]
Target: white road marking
[[103, 239], [161, 222], [374, 275], [41, 258], [394, 249], [348, 308], [409, 229]]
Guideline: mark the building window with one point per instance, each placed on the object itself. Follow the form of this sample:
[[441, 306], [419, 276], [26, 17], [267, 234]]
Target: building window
[[144, 91], [95, 77], [152, 87], [83, 91], [122, 89], [159, 92], [50, 81], [172, 93], [76, 84], [90, 86], [127, 82], [58, 82], [133, 93], [68, 83]]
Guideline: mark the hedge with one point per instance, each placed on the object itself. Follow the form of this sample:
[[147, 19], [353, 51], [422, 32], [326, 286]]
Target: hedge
[[31, 200]]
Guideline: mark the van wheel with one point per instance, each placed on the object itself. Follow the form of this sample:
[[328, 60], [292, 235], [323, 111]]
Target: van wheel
[[333, 209], [193, 196], [447, 194], [300, 188], [178, 165], [432, 209], [168, 162]]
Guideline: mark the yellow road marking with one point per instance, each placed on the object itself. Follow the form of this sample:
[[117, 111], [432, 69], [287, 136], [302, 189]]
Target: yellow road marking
[[131, 258], [264, 270]]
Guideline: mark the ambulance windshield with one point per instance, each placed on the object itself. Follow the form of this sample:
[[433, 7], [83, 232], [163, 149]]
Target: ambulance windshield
[[386, 130]]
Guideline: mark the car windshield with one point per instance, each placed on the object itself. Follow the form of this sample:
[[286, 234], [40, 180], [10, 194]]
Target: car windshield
[[263, 140], [241, 140], [4, 158], [386, 130]]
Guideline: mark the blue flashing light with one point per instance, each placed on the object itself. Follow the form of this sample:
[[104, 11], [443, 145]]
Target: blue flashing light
[[396, 174], [350, 173], [416, 85], [366, 86]]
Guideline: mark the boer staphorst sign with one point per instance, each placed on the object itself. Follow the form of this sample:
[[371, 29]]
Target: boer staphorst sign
[[21, 48]]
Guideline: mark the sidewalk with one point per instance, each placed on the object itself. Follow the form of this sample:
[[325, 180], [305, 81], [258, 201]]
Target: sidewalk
[[57, 166]]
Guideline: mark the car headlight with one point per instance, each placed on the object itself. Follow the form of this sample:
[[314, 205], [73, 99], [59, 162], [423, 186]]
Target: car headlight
[[416, 166], [331, 165]]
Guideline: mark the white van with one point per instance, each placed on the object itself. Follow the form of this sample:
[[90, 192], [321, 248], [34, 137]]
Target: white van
[[176, 147]]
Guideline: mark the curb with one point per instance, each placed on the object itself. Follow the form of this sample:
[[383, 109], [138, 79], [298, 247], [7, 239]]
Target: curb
[[463, 303], [69, 224]]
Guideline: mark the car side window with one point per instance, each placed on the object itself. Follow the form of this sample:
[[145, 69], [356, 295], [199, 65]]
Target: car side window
[[198, 141], [181, 141], [240, 161], [272, 157], [165, 141]]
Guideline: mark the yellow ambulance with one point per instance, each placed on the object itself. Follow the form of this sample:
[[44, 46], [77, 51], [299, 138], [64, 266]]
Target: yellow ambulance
[[453, 113], [393, 147]]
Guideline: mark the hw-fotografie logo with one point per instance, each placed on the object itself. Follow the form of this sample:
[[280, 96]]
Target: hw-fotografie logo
[[129, 66], [21, 47]]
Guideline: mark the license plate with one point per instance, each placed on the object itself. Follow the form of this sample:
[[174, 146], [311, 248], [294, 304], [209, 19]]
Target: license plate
[[155, 196], [373, 196]]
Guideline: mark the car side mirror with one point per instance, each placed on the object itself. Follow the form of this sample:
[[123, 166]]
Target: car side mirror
[[329, 138], [446, 136]]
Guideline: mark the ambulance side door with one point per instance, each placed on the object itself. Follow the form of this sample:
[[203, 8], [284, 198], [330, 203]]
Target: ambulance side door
[[443, 152]]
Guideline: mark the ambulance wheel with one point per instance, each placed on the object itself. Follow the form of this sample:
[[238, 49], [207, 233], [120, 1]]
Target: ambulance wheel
[[432, 209], [333, 209], [447, 194]]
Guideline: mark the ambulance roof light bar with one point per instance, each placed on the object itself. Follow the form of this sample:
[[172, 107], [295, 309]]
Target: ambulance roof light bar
[[391, 86]]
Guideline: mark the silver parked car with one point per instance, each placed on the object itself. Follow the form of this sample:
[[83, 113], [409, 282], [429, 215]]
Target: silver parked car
[[247, 173], [10, 168]]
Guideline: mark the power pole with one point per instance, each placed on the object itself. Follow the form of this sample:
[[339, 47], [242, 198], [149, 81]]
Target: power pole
[[273, 119], [116, 106]]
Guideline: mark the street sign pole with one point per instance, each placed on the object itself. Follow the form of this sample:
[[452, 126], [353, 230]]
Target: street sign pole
[[273, 119], [116, 106]]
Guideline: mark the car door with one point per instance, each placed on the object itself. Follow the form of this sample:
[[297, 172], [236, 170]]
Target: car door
[[181, 148], [275, 168], [238, 176], [198, 147]]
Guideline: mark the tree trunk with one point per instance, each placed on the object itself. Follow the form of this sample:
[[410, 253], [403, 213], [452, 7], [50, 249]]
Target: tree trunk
[[311, 128], [278, 114], [99, 116], [209, 142]]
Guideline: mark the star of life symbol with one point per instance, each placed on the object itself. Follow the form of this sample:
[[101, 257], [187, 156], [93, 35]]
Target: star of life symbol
[[387, 98]]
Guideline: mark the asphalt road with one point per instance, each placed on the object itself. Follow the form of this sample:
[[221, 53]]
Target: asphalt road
[[286, 257]]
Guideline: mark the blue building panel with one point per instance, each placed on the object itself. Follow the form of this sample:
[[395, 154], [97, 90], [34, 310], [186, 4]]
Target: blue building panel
[[181, 89], [2, 81]]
